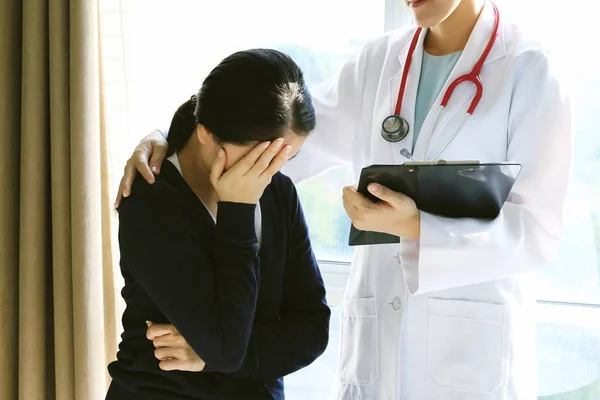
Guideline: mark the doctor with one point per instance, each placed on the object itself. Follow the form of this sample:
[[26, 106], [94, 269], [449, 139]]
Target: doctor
[[445, 315]]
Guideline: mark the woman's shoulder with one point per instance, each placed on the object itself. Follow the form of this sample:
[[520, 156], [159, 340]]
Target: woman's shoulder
[[165, 190], [282, 184], [282, 179], [284, 192]]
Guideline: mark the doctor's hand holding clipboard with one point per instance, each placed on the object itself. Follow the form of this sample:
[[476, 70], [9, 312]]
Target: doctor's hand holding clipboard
[[387, 204], [438, 307], [395, 214]]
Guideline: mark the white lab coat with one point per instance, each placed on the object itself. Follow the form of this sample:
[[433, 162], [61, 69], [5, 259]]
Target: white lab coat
[[448, 317]]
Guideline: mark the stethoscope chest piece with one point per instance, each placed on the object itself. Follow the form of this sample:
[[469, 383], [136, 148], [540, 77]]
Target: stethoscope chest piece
[[394, 128]]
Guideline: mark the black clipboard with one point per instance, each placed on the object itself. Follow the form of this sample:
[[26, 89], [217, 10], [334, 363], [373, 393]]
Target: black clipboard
[[463, 189]]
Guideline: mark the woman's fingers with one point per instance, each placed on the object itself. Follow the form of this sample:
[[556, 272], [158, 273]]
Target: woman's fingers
[[249, 160], [173, 364], [245, 181], [164, 353], [218, 167], [277, 162], [156, 330], [264, 160], [169, 341]]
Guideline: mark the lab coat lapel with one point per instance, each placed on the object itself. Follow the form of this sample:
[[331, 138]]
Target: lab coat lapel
[[429, 144], [410, 93]]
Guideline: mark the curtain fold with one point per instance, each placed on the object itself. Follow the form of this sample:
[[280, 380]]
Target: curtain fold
[[10, 137], [57, 322]]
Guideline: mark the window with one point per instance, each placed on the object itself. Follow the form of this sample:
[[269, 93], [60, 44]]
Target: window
[[156, 54]]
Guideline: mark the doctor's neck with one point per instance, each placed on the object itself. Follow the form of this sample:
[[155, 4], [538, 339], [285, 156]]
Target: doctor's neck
[[452, 34]]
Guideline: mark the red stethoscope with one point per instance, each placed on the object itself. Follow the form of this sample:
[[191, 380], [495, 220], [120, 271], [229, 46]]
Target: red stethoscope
[[395, 128]]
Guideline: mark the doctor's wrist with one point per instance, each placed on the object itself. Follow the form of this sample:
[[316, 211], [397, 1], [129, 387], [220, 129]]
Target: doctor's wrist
[[410, 228]]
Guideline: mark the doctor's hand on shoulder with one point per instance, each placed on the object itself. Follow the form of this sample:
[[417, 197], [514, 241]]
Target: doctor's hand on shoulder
[[147, 158], [394, 213]]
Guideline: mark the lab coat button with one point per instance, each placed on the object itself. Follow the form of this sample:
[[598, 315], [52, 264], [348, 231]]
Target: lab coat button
[[396, 304]]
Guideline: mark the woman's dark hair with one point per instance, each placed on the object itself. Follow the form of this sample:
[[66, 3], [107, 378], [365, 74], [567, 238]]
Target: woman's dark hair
[[251, 96]]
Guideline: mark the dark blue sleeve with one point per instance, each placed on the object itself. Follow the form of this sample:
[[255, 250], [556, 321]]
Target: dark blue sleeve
[[206, 289], [301, 335]]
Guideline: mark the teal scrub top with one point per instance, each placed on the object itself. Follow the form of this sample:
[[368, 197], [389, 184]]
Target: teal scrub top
[[435, 71]]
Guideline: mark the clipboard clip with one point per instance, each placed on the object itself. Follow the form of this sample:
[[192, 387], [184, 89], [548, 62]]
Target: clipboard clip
[[441, 162], [414, 163]]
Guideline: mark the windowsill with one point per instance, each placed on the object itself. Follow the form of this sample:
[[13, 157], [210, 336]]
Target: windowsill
[[335, 274]]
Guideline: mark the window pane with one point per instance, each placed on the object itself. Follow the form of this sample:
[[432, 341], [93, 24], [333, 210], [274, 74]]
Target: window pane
[[568, 353], [575, 274], [169, 57], [328, 223]]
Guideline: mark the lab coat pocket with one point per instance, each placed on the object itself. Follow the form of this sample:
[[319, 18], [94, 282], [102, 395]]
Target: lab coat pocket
[[467, 345], [360, 341]]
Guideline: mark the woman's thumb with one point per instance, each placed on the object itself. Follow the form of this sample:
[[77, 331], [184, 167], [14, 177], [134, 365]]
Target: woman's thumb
[[218, 167]]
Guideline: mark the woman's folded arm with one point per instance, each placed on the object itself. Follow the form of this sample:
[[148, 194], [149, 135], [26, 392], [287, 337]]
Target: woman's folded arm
[[206, 289]]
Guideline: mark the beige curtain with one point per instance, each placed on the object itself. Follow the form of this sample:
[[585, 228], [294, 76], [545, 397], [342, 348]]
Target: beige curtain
[[57, 322]]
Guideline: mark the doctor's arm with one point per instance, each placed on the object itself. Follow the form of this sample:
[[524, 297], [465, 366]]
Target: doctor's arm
[[525, 236], [338, 105]]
